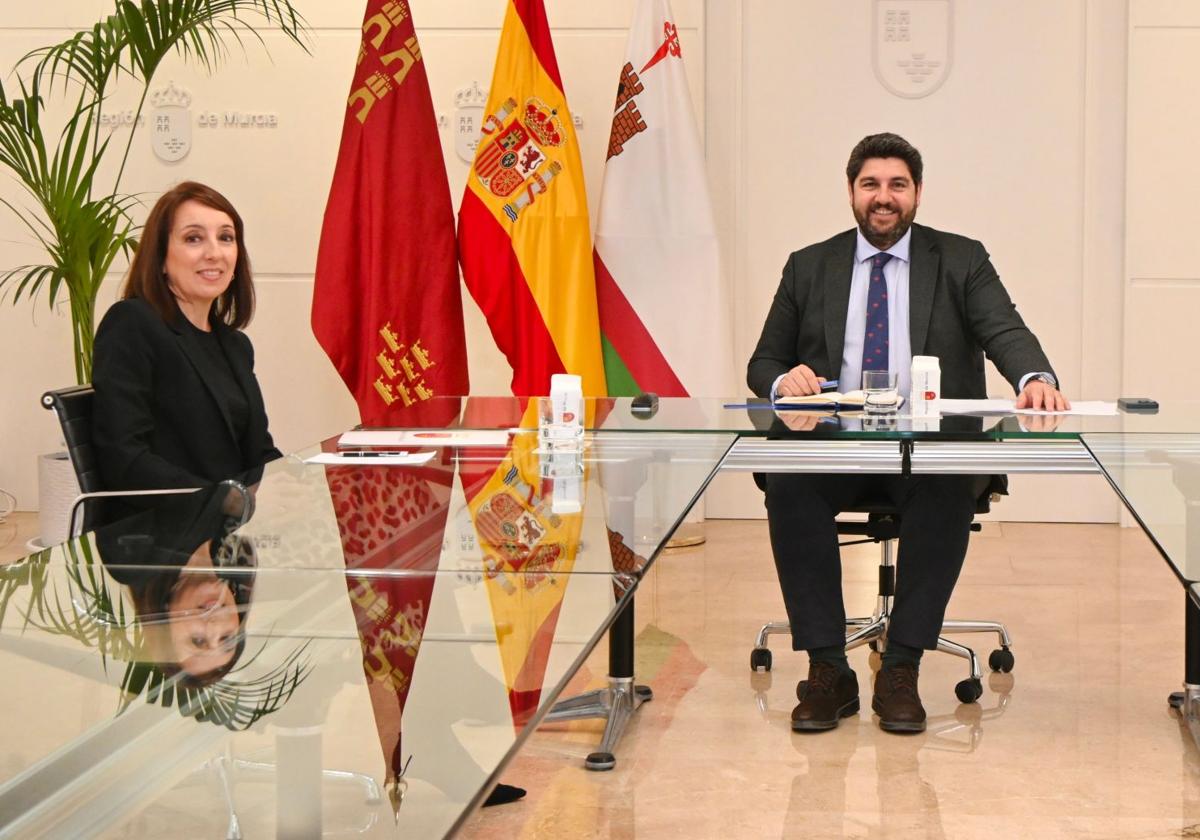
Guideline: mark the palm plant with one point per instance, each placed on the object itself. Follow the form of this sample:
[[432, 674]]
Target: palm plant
[[80, 224]]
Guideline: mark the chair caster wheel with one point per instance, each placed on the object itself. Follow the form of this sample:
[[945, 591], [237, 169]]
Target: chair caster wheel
[[760, 659], [600, 761], [968, 691], [1176, 699], [1001, 660]]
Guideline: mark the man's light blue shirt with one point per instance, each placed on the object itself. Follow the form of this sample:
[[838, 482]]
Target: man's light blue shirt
[[895, 274]]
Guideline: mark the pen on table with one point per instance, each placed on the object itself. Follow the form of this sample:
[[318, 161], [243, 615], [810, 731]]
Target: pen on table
[[372, 454]]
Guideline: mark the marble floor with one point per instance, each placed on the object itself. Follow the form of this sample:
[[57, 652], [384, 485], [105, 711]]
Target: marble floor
[[1077, 742], [16, 530]]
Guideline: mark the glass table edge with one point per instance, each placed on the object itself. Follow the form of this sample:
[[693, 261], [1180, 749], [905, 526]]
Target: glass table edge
[[1129, 506]]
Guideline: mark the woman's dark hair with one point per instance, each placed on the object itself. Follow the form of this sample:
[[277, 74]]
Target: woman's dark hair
[[884, 146], [147, 279]]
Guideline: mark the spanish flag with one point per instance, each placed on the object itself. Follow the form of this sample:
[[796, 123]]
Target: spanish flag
[[523, 234]]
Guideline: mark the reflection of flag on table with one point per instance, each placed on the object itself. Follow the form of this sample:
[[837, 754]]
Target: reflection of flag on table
[[388, 311], [657, 267], [386, 301], [528, 552], [523, 231], [391, 519]]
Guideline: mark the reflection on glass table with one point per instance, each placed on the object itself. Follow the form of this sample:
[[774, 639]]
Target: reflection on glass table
[[362, 651], [1157, 477], [755, 417]]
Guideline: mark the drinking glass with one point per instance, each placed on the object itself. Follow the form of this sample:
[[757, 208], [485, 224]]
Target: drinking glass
[[880, 389]]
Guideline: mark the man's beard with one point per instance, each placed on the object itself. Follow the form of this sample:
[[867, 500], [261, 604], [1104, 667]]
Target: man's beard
[[886, 239]]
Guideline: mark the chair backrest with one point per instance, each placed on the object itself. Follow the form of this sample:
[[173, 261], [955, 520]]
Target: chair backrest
[[74, 409]]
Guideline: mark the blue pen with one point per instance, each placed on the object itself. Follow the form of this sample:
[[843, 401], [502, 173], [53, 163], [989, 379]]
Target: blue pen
[[829, 383]]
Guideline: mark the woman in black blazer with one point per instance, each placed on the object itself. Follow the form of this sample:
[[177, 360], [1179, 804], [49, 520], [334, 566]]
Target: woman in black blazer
[[177, 403]]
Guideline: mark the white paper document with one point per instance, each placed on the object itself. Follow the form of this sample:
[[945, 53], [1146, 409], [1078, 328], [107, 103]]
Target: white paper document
[[413, 438], [375, 458], [1093, 408]]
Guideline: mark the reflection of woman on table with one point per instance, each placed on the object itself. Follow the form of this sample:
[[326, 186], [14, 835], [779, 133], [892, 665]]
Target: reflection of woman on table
[[165, 596], [190, 579]]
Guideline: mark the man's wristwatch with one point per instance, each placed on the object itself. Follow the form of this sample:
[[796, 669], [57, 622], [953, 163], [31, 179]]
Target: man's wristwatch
[[1044, 377]]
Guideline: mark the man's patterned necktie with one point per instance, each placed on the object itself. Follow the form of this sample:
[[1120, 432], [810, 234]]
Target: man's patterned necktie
[[875, 342]]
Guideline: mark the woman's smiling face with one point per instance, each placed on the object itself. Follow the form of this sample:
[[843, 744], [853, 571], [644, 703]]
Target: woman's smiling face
[[202, 252]]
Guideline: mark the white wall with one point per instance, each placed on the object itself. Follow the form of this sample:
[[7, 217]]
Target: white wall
[[1162, 280], [1023, 149], [1024, 145]]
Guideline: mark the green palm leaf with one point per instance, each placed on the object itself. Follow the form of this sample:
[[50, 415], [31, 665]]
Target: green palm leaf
[[81, 225]]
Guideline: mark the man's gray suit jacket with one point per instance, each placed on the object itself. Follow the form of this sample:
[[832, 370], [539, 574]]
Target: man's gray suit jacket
[[958, 311]]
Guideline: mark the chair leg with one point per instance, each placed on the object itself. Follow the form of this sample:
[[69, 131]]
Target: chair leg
[[773, 628], [869, 631], [760, 657], [1001, 659], [970, 689], [956, 626]]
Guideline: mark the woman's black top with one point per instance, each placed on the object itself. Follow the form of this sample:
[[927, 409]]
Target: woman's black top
[[175, 406]]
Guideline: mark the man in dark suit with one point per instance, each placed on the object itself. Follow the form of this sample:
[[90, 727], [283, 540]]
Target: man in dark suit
[[872, 298]]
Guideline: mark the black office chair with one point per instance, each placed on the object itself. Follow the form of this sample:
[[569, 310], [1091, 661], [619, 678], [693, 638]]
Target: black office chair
[[73, 406], [74, 409], [883, 527]]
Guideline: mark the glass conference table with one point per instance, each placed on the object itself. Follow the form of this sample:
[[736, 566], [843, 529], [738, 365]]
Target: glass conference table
[[362, 646]]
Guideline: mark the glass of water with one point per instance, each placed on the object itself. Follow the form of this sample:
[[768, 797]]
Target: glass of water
[[880, 389]]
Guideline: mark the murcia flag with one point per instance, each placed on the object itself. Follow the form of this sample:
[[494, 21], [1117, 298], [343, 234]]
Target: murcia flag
[[658, 279], [388, 311], [386, 301], [523, 231]]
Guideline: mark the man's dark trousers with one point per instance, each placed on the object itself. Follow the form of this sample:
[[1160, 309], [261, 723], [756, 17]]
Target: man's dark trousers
[[935, 519]]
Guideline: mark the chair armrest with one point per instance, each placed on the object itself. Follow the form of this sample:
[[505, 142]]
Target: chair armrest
[[105, 494]]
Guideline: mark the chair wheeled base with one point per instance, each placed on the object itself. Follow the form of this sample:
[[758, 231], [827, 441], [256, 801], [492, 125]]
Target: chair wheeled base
[[873, 629]]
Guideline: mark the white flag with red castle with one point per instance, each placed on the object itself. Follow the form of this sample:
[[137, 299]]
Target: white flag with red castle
[[663, 314]]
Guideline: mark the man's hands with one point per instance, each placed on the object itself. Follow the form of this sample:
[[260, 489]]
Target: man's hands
[[800, 381], [800, 421], [1040, 395], [1039, 422]]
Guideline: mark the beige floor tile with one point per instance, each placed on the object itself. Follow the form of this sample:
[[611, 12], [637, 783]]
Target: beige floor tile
[[1077, 742], [15, 531]]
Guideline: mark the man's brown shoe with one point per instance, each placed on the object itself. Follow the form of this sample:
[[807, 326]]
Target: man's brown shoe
[[828, 695], [896, 700]]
